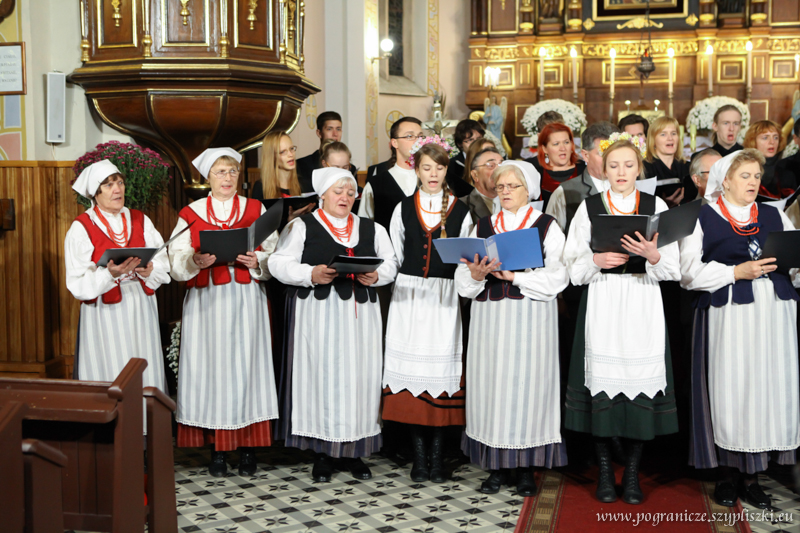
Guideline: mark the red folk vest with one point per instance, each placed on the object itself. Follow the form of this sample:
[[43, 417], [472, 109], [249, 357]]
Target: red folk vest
[[220, 273], [102, 242]]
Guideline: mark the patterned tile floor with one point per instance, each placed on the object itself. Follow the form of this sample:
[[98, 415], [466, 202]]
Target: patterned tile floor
[[281, 497], [779, 483]]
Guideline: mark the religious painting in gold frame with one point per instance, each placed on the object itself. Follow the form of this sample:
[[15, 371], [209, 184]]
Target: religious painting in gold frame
[[633, 4], [607, 10]]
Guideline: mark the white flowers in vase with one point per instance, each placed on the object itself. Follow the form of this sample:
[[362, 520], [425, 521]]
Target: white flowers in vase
[[574, 117], [702, 114]]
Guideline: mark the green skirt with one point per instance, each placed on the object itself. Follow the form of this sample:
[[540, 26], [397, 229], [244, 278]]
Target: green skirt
[[642, 418]]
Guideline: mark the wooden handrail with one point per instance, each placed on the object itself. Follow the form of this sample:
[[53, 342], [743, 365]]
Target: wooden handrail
[[155, 393], [133, 368], [45, 451]]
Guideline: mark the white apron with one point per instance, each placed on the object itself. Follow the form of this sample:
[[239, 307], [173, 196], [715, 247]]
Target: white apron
[[225, 378], [336, 369], [423, 337], [512, 374], [753, 373]]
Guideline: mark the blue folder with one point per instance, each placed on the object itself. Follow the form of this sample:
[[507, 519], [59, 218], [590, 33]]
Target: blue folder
[[516, 250]]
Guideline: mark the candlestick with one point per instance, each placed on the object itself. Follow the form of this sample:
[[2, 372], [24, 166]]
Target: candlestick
[[574, 55], [796, 62], [710, 54], [749, 90], [613, 54], [670, 93], [542, 56]]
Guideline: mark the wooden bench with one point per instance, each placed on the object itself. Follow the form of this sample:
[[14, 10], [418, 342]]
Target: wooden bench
[[98, 427]]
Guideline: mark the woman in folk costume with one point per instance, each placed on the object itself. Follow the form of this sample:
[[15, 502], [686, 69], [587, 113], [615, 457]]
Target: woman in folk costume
[[331, 399], [422, 369], [620, 376], [226, 386], [513, 411], [119, 317], [744, 352]]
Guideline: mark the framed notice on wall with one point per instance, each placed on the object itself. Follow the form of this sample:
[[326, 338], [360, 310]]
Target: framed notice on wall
[[12, 68]]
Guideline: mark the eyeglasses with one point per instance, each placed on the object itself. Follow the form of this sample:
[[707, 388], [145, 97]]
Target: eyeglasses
[[511, 188], [411, 136], [221, 173], [293, 149], [491, 165]]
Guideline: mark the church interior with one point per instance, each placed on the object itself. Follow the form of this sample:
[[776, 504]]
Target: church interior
[[156, 84]]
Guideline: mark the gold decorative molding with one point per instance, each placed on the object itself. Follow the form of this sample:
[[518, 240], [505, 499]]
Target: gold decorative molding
[[784, 45], [574, 24], [526, 7], [758, 17], [391, 118], [311, 112], [707, 17], [735, 46], [691, 20], [371, 28], [185, 12], [433, 47], [251, 16], [588, 24], [633, 48], [84, 39], [639, 23], [117, 16]]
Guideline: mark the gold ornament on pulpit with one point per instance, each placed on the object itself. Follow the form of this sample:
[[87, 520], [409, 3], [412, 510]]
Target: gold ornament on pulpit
[[117, 16], [251, 17], [185, 12]]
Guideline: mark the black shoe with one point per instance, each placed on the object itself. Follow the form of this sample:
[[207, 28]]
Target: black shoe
[[358, 469], [618, 454], [323, 468], [438, 473], [219, 464], [725, 494], [526, 485], [496, 480], [605, 479], [631, 491], [755, 496], [419, 469], [247, 462]]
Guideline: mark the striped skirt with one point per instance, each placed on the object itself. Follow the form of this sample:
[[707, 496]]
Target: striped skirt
[[330, 383], [226, 380], [513, 412], [745, 384], [111, 334]]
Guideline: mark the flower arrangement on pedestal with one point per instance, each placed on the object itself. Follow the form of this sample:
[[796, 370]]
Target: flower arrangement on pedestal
[[574, 117], [497, 142], [702, 114], [146, 174]]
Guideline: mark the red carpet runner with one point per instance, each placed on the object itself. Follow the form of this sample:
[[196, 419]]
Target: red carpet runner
[[566, 503]]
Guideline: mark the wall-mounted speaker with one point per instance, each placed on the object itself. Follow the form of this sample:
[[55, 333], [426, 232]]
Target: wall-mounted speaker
[[56, 112]]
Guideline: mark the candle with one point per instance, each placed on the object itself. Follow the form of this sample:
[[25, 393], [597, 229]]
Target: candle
[[710, 54], [671, 54], [796, 62], [613, 54], [574, 55], [749, 47], [542, 55]]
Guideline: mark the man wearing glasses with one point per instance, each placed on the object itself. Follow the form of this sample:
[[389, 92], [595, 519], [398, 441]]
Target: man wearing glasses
[[481, 200], [700, 167], [385, 190]]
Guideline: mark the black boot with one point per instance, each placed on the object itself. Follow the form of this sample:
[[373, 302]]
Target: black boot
[[438, 473], [497, 478], [605, 479], [618, 452], [323, 468], [219, 464], [419, 469], [526, 485], [358, 469], [247, 462], [631, 492]]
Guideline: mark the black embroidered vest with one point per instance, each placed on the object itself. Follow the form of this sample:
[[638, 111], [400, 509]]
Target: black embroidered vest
[[386, 195]]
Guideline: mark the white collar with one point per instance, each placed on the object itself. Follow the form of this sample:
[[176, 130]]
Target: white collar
[[739, 213], [423, 195], [618, 196], [404, 171]]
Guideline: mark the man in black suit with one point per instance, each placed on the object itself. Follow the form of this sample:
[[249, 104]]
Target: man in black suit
[[329, 128]]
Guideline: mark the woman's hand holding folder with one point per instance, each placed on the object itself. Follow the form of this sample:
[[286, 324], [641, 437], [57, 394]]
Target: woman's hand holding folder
[[481, 267]]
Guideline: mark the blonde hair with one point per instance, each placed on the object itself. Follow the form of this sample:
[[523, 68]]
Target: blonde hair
[[270, 167], [330, 147], [659, 125], [626, 144], [440, 157], [757, 128]]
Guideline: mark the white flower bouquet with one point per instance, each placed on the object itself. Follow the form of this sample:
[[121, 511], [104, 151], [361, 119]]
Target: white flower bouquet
[[573, 117], [702, 114], [497, 142]]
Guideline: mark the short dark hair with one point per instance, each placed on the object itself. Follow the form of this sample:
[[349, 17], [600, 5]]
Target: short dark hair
[[394, 130], [630, 120], [464, 128], [322, 118], [599, 130]]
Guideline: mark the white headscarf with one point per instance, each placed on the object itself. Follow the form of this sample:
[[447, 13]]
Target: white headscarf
[[532, 176], [324, 178], [206, 160], [716, 175], [92, 176]]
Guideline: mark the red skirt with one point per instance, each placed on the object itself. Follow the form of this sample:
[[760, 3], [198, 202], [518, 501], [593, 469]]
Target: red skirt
[[254, 435], [424, 409]]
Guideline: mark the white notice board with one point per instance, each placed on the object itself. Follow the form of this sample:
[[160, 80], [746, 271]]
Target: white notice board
[[12, 68]]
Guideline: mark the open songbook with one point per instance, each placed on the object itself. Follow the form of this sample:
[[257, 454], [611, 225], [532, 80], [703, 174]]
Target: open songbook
[[227, 244], [120, 255], [345, 264], [516, 250], [671, 226]]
